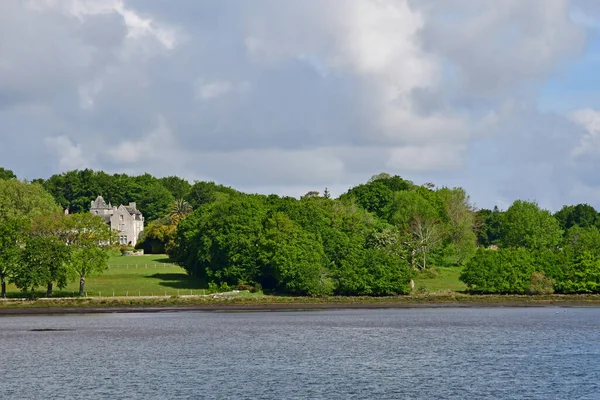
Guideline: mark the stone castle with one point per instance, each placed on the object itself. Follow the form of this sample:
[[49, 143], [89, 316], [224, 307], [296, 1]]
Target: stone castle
[[127, 220]]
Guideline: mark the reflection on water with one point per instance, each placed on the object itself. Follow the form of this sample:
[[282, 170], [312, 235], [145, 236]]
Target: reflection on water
[[495, 353]]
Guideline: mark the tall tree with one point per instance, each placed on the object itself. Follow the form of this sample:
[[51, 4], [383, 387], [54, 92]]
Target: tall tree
[[374, 197], [179, 210], [179, 187], [12, 235], [419, 225], [582, 215], [460, 222], [293, 258], [88, 236], [488, 226], [208, 192], [583, 239], [51, 233], [527, 225], [6, 174], [23, 199], [154, 201], [45, 260]]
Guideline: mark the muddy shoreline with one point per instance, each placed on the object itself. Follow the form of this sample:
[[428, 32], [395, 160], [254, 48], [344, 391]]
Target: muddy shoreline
[[275, 307]]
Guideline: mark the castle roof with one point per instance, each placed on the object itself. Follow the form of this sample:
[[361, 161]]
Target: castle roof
[[100, 204], [132, 210]]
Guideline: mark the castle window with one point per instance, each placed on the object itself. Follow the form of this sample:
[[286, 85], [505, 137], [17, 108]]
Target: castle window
[[123, 239], [121, 217]]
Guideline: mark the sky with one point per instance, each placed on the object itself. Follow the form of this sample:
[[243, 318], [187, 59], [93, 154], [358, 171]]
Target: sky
[[282, 96]]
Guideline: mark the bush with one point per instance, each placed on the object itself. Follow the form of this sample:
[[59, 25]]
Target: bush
[[505, 271], [541, 284], [421, 289], [428, 273], [245, 286], [123, 249]]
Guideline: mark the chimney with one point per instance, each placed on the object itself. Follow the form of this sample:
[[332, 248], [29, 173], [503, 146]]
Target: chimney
[[132, 205]]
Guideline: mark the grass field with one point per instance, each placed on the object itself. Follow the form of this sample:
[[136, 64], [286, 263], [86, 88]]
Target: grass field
[[155, 275], [445, 280], [148, 275]]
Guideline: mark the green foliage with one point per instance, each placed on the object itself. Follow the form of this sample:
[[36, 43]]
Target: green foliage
[[373, 272], [580, 273], [314, 246], [488, 227], [583, 239], [394, 183], [179, 187], [370, 241], [374, 197], [87, 261], [76, 189], [45, 260], [541, 284], [224, 238], [158, 237], [409, 206], [155, 201], [87, 236], [6, 174], [458, 230], [202, 193], [12, 234], [292, 258], [24, 200], [582, 215], [526, 225], [506, 271]]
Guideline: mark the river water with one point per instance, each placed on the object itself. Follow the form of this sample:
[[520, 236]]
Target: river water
[[496, 353]]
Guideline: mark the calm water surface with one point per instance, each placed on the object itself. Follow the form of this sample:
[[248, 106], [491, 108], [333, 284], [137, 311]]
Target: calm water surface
[[546, 353]]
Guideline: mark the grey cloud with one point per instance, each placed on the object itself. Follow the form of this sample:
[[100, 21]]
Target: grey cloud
[[285, 98]]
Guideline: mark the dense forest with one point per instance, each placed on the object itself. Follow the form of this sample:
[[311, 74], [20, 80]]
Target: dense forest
[[371, 240]]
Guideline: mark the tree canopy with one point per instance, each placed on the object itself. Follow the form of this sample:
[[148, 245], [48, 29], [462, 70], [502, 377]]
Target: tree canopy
[[370, 241]]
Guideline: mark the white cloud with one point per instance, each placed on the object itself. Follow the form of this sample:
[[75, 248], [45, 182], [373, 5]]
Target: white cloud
[[579, 17], [426, 158], [211, 90], [298, 95], [70, 155], [590, 142], [138, 27], [157, 145]]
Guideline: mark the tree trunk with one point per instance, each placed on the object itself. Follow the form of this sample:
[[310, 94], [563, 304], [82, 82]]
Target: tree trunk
[[81, 285], [3, 288], [49, 291]]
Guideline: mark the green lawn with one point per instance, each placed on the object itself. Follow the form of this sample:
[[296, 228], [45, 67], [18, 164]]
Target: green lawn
[[134, 276], [155, 275], [446, 279]]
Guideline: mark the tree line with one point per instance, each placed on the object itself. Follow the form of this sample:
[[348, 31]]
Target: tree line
[[371, 240], [41, 246], [526, 249]]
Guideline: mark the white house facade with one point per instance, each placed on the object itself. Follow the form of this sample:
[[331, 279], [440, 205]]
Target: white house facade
[[127, 220]]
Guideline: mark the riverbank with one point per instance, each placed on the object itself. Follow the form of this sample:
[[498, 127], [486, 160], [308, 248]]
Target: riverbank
[[250, 303]]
